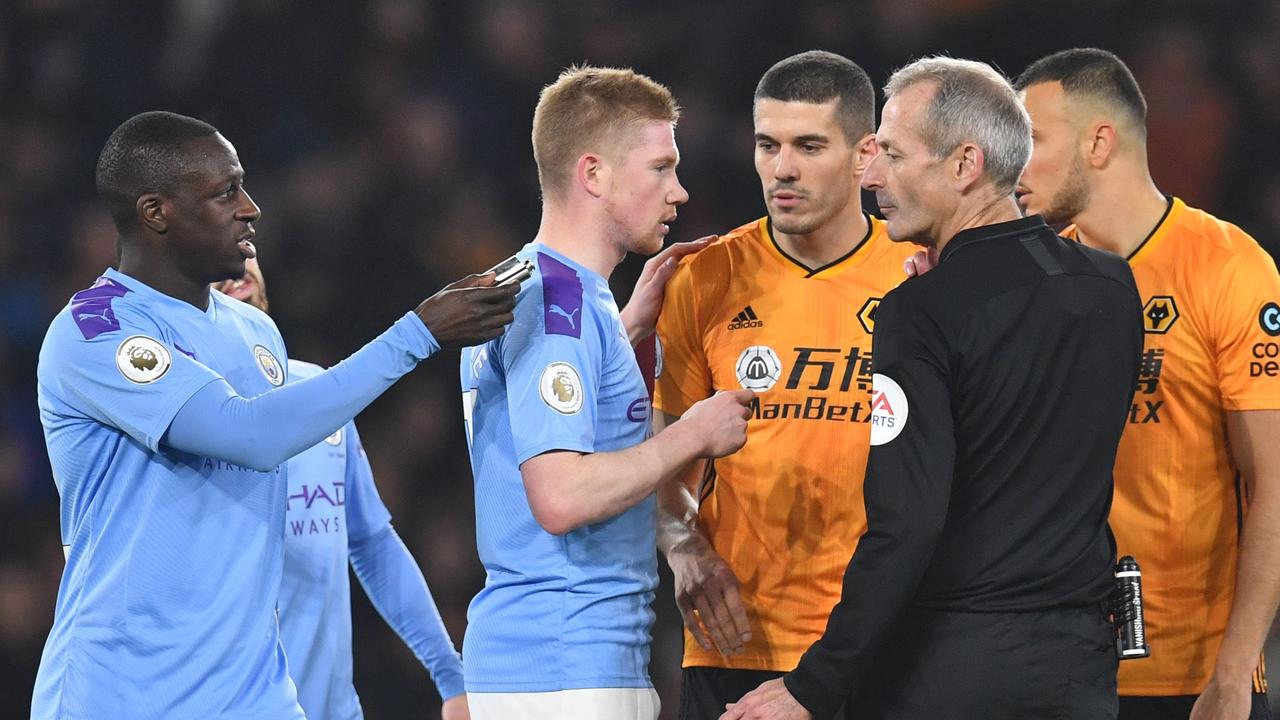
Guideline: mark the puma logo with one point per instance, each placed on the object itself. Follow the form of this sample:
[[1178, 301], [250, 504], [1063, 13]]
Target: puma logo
[[566, 315], [95, 316]]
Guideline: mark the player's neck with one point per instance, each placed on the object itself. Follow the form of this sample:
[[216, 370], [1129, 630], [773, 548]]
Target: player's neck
[[828, 243], [1123, 211], [580, 239], [162, 276]]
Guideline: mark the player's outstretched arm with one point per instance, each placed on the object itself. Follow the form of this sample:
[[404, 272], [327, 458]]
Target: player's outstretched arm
[[703, 580], [640, 316], [568, 490], [1229, 693], [266, 430], [469, 312]]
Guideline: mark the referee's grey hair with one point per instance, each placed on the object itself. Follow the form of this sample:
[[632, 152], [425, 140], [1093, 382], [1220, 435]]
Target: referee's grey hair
[[973, 103]]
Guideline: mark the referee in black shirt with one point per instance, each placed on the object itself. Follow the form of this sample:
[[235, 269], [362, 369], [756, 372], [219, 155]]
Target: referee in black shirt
[[1003, 379]]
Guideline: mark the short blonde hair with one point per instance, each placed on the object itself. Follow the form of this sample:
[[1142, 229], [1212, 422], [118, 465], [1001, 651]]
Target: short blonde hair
[[591, 109]]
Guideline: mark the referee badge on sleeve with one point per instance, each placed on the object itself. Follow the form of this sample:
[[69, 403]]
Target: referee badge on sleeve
[[888, 409], [142, 359], [561, 388]]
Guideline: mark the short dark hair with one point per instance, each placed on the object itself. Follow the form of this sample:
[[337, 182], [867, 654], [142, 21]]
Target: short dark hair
[[145, 154], [1092, 72], [818, 76]]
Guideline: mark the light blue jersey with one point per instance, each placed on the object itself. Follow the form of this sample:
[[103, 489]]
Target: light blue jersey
[[166, 607], [332, 511], [569, 611]]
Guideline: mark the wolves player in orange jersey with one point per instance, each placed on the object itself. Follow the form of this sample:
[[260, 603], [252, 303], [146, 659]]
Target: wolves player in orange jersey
[[1197, 497], [784, 305]]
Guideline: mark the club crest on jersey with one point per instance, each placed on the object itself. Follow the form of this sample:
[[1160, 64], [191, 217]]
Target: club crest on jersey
[[758, 368], [867, 314], [1269, 319], [561, 388], [888, 409], [142, 359], [1159, 314], [269, 366]]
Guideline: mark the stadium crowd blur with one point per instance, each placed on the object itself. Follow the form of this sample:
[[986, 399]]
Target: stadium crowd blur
[[387, 142]]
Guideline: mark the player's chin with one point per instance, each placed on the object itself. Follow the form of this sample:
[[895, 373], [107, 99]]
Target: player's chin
[[649, 245], [794, 224], [231, 269]]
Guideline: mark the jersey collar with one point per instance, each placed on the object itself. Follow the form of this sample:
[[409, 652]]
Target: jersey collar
[[1159, 232], [158, 298], [1021, 226], [830, 268]]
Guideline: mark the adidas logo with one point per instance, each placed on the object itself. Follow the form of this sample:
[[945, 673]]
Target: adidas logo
[[746, 319]]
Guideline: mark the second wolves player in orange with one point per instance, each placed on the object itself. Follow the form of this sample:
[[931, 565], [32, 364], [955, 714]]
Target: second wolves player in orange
[[1197, 497], [784, 305]]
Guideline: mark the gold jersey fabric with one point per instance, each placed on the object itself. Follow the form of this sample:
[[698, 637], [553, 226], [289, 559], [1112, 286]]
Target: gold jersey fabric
[[1212, 346], [786, 511]]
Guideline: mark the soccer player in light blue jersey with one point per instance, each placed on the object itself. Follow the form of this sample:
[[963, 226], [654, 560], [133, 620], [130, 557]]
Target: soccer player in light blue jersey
[[558, 416], [332, 513], [166, 415]]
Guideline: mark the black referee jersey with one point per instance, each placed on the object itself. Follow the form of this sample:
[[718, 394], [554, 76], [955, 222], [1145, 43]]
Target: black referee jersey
[[1003, 380]]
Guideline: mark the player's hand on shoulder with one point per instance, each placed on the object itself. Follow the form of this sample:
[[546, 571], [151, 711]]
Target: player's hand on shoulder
[[720, 422], [921, 262], [707, 593], [640, 316], [469, 311]]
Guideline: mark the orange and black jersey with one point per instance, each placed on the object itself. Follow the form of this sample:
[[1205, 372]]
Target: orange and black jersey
[[1212, 346], [785, 511], [1002, 382]]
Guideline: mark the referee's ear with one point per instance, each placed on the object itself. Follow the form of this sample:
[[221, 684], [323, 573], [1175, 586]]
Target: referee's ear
[[967, 166]]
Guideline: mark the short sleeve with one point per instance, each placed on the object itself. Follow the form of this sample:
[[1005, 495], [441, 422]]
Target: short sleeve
[[684, 374], [366, 514], [1246, 330], [552, 381], [128, 378]]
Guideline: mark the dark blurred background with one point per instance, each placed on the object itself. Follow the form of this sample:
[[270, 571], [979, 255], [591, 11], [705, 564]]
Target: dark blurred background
[[387, 142]]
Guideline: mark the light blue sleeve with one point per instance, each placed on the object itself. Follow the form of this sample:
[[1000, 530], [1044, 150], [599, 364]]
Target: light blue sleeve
[[264, 431], [552, 383], [394, 583], [366, 515], [130, 379]]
